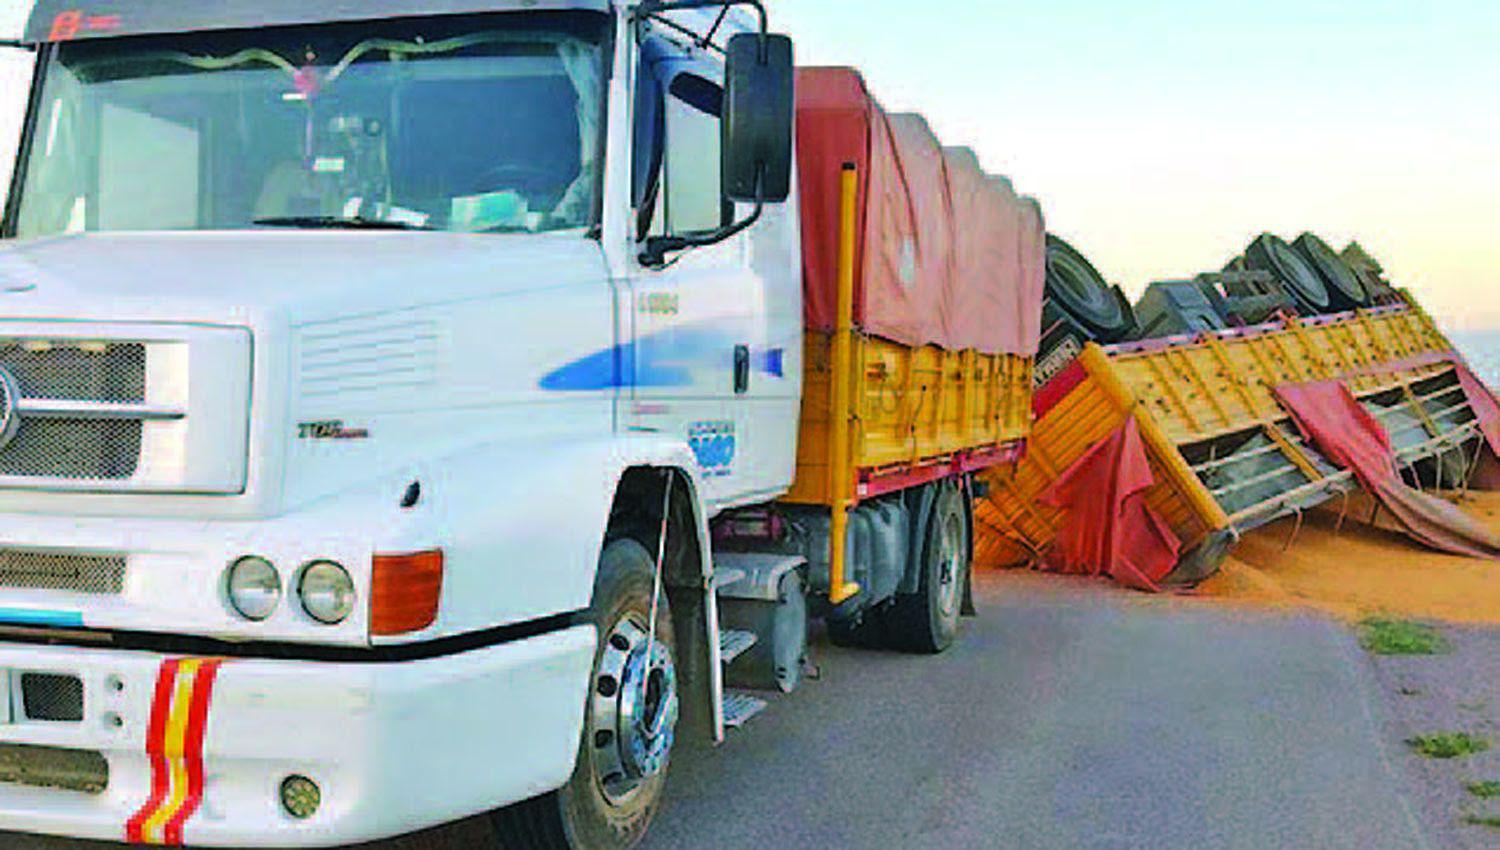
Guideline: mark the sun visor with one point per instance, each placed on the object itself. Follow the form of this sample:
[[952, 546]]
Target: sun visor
[[68, 20]]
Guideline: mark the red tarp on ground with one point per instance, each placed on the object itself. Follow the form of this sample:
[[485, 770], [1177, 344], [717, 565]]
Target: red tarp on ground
[[1332, 419], [944, 255], [1109, 528]]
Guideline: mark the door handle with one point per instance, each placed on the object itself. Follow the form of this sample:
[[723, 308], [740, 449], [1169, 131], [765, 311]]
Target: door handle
[[741, 369]]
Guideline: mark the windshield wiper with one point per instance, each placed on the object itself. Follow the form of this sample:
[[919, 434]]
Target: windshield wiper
[[333, 222]]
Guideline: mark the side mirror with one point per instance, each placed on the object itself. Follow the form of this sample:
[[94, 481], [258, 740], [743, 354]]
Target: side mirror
[[759, 103]]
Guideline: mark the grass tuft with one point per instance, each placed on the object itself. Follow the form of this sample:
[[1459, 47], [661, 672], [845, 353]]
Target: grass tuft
[[1448, 745], [1491, 821], [1485, 790], [1401, 637]]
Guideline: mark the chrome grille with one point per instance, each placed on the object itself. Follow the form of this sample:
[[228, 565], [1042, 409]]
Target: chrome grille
[[67, 572], [52, 697], [103, 449], [78, 408], [77, 371], [124, 408]]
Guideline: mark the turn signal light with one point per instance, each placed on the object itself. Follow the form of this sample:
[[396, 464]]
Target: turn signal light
[[404, 592]]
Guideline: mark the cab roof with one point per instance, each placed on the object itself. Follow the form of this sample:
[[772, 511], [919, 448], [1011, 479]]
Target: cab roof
[[68, 20]]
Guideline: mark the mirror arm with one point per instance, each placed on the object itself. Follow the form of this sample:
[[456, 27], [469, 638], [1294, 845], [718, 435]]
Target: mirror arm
[[657, 248], [20, 45], [708, 37], [653, 8]]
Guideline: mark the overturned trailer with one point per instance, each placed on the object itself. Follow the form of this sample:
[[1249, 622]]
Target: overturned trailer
[[1224, 452]]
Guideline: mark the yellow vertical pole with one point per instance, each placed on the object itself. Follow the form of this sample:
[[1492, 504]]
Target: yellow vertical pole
[[840, 464]]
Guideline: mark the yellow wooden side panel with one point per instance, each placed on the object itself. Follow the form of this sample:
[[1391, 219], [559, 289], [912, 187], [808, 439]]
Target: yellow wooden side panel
[[1213, 387], [1018, 526], [911, 405]]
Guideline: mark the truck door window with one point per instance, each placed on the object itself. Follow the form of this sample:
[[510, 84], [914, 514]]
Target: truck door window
[[648, 146], [694, 197]]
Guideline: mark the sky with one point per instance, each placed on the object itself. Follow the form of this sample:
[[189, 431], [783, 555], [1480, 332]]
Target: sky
[[1161, 136]]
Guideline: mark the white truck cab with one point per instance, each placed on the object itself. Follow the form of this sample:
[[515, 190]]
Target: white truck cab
[[369, 375]]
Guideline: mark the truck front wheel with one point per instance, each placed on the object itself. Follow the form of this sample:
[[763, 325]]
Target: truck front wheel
[[629, 722]]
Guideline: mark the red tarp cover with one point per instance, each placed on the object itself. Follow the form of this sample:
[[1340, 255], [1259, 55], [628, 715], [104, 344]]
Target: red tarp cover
[[945, 256], [1109, 529], [1482, 402], [1347, 434]]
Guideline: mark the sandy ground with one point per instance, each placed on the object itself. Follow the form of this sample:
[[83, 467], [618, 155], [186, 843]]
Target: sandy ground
[[1358, 571]]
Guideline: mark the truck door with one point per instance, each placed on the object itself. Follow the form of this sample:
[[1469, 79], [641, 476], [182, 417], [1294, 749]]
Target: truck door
[[698, 320]]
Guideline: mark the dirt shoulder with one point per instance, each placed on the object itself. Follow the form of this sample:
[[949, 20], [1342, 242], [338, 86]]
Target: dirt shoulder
[[1449, 693]]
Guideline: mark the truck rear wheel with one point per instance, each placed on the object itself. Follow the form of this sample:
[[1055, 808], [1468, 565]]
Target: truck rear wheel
[[629, 722], [927, 621]]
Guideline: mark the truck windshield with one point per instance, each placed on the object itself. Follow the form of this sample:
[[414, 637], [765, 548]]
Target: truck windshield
[[486, 124]]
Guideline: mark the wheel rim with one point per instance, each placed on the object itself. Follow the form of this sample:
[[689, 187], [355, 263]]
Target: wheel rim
[[950, 566], [635, 709]]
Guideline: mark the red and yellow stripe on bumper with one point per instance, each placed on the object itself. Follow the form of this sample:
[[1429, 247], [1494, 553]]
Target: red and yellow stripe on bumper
[[174, 746]]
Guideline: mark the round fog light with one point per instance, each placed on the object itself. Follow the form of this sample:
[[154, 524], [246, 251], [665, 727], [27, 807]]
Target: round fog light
[[254, 587], [327, 592], [300, 797]]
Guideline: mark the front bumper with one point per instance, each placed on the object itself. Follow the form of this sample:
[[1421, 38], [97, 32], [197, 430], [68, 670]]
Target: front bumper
[[395, 747]]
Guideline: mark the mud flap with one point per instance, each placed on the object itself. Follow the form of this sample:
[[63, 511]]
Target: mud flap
[[690, 620]]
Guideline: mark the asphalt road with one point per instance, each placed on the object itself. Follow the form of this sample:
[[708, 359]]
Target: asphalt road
[[1071, 716]]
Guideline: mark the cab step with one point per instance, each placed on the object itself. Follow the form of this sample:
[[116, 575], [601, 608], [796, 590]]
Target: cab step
[[740, 706], [725, 576], [733, 643]]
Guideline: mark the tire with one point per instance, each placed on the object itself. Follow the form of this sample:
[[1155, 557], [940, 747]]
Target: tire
[[612, 795], [1302, 282], [927, 621], [1077, 288], [1345, 290]]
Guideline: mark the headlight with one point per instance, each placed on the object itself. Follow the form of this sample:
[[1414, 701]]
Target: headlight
[[326, 591], [254, 587]]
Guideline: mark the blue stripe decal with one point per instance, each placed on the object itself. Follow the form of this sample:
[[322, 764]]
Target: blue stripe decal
[[34, 617], [663, 359]]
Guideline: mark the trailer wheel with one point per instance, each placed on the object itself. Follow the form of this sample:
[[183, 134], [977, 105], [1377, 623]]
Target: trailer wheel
[[1084, 296], [1345, 290], [1270, 253], [629, 722], [927, 621]]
